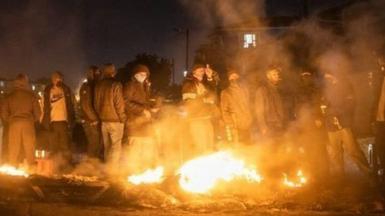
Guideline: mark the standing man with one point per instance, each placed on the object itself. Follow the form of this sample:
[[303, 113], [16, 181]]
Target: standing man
[[268, 105], [89, 117], [59, 116], [142, 148], [199, 101], [235, 108], [21, 110], [340, 103], [109, 105]]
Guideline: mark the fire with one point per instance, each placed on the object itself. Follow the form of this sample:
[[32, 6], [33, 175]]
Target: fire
[[202, 174], [299, 182], [150, 176], [12, 171]]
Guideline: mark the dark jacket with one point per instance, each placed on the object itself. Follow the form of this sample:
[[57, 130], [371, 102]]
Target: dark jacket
[[137, 99], [339, 99], [199, 98], [268, 108], [20, 104], [69, 100], [109, 103], [235, 106], [86, 92]]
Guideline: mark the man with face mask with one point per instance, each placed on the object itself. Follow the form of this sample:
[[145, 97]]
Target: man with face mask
[[235, 109], [198, 94], [59, 116], [142, 152], [90, 120], [268, 105]]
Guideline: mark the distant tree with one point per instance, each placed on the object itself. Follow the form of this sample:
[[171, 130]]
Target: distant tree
[[160, 69]]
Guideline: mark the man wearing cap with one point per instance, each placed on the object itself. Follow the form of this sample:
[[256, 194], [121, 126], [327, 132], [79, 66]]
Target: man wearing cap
[[142, 150], [109, 105], [198, 94], [59, 115], [21, 110], [90, 120], [235, 109]]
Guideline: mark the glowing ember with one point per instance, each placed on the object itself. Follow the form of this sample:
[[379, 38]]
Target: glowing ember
[[12, 171], [202, 174], [299, 182], [150, 176]]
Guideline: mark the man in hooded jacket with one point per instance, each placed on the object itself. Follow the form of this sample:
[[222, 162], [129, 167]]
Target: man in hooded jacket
[[21, 110], [142, 151]]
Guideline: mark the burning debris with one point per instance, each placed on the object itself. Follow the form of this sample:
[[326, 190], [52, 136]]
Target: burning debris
[[200, 175], [150, 176], [299, 181], [13, 171]]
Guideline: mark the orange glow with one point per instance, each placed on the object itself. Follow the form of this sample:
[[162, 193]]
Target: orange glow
[[200, 175], [298, 182], [12, 171], [150, 176]]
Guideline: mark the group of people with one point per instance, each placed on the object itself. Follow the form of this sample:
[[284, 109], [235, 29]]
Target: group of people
[[118, 118]]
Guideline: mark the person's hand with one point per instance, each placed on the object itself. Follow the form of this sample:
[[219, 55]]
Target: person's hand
[[147, 114], [209, 73], [94, 123]]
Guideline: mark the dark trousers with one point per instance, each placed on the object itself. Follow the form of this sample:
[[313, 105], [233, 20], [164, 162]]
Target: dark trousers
[[60, 139], [380, 142], [94, 144]]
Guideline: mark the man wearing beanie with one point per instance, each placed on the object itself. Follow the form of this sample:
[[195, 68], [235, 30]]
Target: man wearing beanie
[[109, 105], [21, 110], [198, 94], [235, 109], [141, 147]]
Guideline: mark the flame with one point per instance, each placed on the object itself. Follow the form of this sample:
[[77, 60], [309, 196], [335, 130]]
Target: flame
[[150, 176], [300, 181], [202, 174], [12, 171]]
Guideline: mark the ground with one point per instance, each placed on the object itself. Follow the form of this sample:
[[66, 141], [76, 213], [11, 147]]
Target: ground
[[72, 197]]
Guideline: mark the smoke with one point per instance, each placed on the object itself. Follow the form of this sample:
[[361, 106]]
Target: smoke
[[39, 37]]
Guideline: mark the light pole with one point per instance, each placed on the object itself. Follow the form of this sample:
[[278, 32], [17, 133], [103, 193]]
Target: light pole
[[186, 31]]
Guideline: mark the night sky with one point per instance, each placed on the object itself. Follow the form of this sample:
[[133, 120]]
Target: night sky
[[39, 36]]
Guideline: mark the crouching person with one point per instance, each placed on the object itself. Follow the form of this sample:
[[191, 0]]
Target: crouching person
[[142, 149], [109, 106], [21, 110]]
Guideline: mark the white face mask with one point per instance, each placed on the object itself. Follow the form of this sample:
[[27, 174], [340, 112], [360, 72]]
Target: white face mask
[[140, 77]]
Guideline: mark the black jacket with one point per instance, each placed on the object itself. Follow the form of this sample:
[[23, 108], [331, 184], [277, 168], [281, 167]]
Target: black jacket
[[69, 100], [86, 93]]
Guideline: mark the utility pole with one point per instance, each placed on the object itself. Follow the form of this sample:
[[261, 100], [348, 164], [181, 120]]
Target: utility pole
[[187, 47]]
